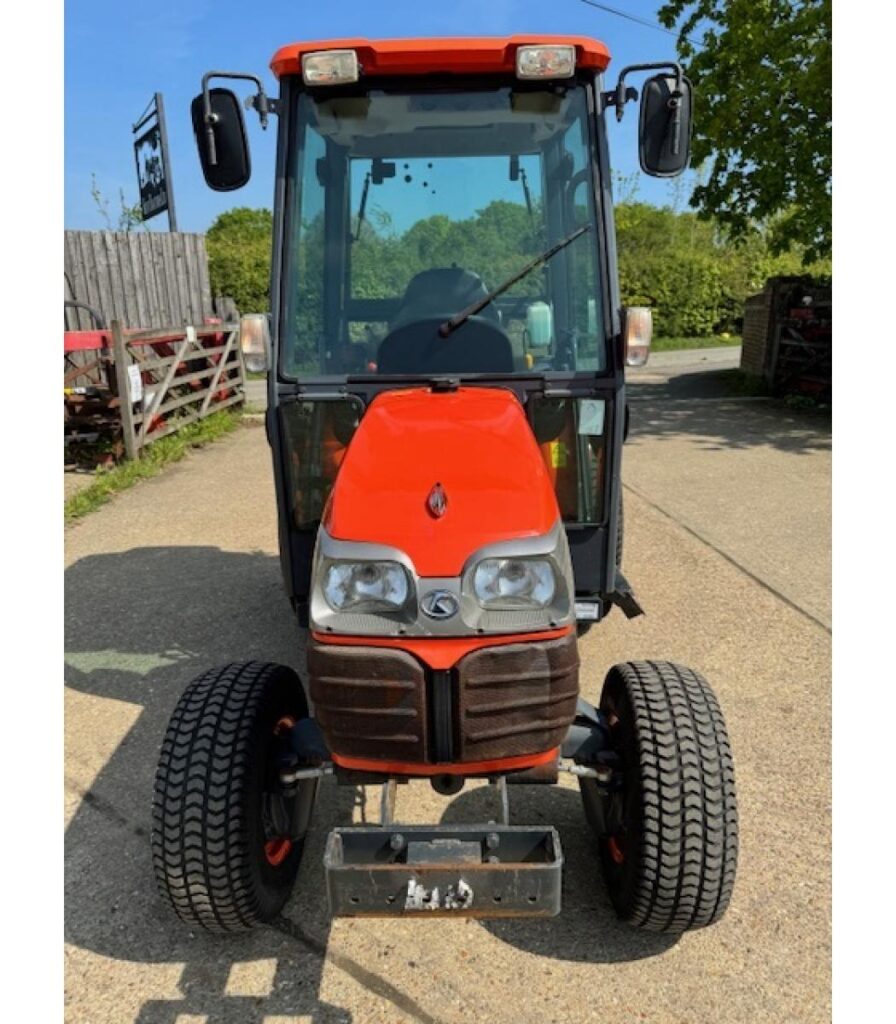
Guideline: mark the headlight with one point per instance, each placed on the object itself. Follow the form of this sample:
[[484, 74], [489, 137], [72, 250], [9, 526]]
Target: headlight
[[366, 586], [330, 67], [545, 61], [507, 583]]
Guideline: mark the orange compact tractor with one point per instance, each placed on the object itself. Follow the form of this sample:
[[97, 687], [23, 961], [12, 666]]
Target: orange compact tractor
[[446, 413]]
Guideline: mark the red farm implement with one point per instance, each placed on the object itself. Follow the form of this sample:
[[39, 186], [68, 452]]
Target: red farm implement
[[170, 377]]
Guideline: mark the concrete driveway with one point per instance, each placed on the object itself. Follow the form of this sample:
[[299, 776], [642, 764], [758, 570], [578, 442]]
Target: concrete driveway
[[181, 573], [747, 476]]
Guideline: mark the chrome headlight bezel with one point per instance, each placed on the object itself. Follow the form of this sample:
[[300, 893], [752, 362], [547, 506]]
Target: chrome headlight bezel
[[551, 550], [471, 617], [367, 618]]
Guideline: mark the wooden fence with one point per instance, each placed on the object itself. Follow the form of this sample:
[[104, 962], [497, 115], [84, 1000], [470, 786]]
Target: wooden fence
[[144, 385], [147, 278]]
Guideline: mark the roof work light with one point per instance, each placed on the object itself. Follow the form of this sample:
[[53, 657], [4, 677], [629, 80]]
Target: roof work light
[[545, 61], [330, 67]]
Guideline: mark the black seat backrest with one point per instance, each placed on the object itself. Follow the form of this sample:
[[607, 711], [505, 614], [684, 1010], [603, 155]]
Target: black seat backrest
[[479, 346], [441, 291]]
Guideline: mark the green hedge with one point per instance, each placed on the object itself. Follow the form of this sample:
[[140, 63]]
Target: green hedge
[[694, 280], [677, 264]]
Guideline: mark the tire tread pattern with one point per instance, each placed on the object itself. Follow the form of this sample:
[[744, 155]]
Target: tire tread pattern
[[689, 839], [201, 835]]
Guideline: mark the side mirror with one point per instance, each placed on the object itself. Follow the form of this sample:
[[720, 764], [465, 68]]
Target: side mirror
[[255, 342], [637, 333], [664, 130], [223, 147]]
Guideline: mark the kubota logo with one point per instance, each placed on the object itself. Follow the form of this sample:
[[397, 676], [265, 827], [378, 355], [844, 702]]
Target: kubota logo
[[437, 501], [439, 604]]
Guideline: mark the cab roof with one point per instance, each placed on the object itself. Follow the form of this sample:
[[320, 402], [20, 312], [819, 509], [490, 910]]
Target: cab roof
[[473, 55]]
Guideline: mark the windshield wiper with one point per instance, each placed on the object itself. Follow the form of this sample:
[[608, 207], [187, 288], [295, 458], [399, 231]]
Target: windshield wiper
[[363, 207], [464, 315]]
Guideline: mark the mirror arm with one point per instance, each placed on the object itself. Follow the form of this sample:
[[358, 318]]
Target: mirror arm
[[260, 102], [619, 96], [263, 105]]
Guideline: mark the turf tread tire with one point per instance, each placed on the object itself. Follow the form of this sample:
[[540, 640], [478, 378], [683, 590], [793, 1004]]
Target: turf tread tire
[[206, 841], [680, 798]]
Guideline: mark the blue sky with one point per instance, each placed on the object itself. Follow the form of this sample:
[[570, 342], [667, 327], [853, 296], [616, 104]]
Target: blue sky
[[116, 57]]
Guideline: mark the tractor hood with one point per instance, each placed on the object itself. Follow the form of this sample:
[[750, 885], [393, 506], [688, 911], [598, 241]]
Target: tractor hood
[[439, 475]]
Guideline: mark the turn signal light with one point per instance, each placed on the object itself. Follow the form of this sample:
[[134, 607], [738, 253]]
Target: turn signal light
[[637, 335], [545, 61], [330, 67], [255, 342]]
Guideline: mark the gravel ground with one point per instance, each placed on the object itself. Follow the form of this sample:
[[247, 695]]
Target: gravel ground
[[181, 573]]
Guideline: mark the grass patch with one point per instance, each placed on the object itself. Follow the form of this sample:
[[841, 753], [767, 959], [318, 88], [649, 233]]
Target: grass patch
[[675, 344], [153, 460], [807, 403], [745, 385]]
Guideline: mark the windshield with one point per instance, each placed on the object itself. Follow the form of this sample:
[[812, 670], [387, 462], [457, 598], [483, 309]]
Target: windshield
[[411, 207]]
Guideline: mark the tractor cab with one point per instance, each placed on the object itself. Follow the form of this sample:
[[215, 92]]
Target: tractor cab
[[446, 412], [443, 218]]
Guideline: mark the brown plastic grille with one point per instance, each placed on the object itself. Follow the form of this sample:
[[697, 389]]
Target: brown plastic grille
[[369, 702], [517, 699]]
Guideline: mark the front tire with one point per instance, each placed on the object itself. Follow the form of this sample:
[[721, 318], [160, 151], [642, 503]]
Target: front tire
[[222, 855], [669, 842]]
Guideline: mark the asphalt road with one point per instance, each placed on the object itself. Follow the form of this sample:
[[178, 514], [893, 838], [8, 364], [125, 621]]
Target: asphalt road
[[181, 573]]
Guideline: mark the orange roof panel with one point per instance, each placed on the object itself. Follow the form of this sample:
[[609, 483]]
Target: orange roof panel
[[475, 55]]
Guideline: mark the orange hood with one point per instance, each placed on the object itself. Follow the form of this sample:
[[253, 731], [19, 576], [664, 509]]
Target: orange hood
[[476, 443]]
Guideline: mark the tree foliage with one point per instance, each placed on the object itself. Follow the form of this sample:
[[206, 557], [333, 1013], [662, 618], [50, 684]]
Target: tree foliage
[[239, 257], [685, 268], [762, 82], [495, 243]]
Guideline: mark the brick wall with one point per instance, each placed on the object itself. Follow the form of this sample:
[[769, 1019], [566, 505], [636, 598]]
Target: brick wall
[[761, 314]]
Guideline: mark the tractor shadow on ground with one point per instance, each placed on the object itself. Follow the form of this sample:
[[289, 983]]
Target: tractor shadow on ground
[[701, 407], [140, 625], [587, 928]]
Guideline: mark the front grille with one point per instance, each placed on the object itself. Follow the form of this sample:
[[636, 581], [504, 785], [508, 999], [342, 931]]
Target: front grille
[[381, 703], [516, 699], [369, 701]]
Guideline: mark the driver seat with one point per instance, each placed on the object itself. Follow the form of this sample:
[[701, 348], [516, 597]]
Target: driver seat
[[414, 345], [441, 291]]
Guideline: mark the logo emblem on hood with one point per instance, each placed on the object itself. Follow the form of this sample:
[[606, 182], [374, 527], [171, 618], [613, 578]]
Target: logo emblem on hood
[[439, 604], [437, 502]]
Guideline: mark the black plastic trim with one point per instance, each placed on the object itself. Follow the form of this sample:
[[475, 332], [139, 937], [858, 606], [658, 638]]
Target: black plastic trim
[[442, 707]]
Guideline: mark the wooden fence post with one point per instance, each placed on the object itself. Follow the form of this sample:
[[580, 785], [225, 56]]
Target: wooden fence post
[[126, 407]]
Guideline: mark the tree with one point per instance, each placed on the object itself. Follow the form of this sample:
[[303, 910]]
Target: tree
[[684, 267], [129, 216], [239, 257], [762, 81]]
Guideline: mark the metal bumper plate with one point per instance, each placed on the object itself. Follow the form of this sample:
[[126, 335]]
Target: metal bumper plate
[[461, 870]]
